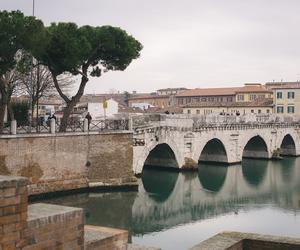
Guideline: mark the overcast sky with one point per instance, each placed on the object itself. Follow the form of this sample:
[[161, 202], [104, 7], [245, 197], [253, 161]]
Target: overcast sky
[[191, 43]]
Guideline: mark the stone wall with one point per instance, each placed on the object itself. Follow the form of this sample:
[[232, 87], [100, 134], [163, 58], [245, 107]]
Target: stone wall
[[68, 161]]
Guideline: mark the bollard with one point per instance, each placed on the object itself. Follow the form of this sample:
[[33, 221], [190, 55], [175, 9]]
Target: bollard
[[130, 123], [13, 127], [85, 125], [52, 126]]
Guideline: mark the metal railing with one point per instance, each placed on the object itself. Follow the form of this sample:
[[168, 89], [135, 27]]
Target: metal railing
[[72, 126]]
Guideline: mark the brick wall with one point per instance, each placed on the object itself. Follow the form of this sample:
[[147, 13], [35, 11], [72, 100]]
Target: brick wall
[[13, 211], [54, 227], [67, 161]]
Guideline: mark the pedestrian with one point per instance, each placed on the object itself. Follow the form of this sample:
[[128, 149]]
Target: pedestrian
[[89, 118]]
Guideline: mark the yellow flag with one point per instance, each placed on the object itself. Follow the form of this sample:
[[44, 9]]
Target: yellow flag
[[105, 104]]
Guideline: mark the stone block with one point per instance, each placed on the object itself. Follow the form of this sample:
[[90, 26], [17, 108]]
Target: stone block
[[103, 238]]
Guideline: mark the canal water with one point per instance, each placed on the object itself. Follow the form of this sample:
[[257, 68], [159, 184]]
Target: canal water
[[178, 210]]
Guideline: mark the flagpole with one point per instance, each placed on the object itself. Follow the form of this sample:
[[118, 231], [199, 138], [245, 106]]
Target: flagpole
[[33, 3]]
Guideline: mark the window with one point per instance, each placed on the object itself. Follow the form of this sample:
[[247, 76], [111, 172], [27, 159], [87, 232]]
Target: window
[[291, 95], [291, 109], [279, 95], [252, 110], [198, 111], [259, 111], [240, 97], [268, 111], [279, 108], [252, 97], [188, 111]]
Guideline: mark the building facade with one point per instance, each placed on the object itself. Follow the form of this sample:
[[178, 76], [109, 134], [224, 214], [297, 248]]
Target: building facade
[[234, 108], [286, 96], [247, 93], [251, 92]]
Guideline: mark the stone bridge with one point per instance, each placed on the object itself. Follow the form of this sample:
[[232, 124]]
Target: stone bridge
[[179, 141]]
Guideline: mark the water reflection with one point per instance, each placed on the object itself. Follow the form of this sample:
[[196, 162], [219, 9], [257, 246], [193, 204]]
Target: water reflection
[[287, 169], [160, 185], [212, 177], [254, 171], [168, 199]]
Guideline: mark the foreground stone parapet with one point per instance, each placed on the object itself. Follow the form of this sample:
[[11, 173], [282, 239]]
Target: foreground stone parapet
[[48, 226], [13, 211], [248, 241], [53, 226], [103, 238]]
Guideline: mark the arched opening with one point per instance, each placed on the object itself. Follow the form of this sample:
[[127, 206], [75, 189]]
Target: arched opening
[[161, 156], [254, 172], [158, 185], [256, 148], [214, 151], [212, 177], [288, 147]]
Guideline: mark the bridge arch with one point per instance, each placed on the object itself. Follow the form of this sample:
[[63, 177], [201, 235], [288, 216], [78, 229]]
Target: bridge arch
[[214, 151], [256, 147], [163, 154], [288, 146]]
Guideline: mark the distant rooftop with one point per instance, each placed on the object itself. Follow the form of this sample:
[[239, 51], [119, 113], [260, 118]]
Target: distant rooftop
[[283, 85], [248, 88]]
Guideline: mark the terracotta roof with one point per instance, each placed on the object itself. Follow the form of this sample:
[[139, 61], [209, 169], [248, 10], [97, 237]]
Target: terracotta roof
[[283, 85], [248, 88], [208, 92], [253, 89], [268, 102]]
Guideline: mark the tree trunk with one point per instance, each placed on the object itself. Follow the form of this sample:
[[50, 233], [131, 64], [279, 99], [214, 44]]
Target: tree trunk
[[3, 106], [67, 112], [10, 110]]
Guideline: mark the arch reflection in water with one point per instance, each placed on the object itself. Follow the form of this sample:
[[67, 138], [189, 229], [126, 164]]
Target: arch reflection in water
[[286, 168], [288, 146], [212, 177], [159, 184], [214, 151], [162, 156], [256, 147], [254, 171]]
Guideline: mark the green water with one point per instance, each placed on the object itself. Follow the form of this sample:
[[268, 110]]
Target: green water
[[178, 210]]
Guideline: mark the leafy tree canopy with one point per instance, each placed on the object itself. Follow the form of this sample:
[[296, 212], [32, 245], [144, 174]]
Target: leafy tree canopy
[[70, 48], [18, 32]]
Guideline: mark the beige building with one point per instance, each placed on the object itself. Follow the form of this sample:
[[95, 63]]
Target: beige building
[[255, 107], [251, 92], [286, 97]]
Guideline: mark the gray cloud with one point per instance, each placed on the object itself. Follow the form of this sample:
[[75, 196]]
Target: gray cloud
[[192, 43]]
